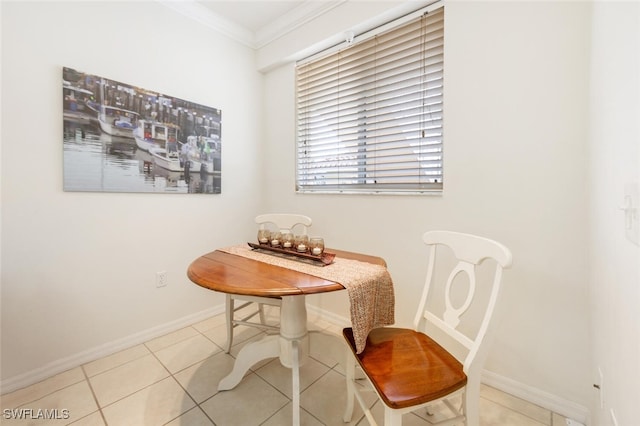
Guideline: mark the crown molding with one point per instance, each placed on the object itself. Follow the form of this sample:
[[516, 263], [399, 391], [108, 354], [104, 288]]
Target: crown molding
[[198, 12], [306, 12], [302, 14]]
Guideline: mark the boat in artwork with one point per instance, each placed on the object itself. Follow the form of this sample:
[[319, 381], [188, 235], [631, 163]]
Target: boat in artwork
[[74, 102], [154, 134], [167, 157], [116, 121], [202, 152], [160, 140]]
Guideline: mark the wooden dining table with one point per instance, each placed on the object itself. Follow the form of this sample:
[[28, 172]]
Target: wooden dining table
[[225, 272]]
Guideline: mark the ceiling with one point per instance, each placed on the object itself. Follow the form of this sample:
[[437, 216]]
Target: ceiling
[[251, 14], [254, 23]]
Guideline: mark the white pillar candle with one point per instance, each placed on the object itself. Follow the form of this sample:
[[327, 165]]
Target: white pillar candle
[[316, 251], [302, 247]]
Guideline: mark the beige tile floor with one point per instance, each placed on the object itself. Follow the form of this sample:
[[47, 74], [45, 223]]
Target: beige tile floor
[[172, 380]]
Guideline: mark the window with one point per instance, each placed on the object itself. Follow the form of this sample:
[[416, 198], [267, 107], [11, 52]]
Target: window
[[369, 116]]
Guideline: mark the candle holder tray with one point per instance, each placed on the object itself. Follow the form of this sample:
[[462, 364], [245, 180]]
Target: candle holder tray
[[324, 259]]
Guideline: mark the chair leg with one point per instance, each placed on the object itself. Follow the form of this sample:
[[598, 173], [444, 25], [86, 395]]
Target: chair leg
[[392, 417], [350, 367], [229, 315], [261, 312], [352, 392], [471, 404]]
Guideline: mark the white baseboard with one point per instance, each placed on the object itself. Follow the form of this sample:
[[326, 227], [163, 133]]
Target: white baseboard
[[538, 397], [76, 360], [330, 317]]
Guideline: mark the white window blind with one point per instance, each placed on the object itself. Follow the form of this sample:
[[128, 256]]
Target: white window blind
[[369, 117]]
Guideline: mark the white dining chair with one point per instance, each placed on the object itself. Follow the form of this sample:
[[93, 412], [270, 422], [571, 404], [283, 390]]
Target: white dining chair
[[283, 222], [434, 361]]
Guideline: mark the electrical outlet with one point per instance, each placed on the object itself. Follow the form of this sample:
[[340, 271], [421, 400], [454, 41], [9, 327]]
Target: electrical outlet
[[161, 279]]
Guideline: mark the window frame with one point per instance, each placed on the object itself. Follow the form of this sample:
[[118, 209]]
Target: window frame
[[361, 163]]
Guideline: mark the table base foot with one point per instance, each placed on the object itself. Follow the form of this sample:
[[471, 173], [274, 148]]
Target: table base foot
[[250, 354]]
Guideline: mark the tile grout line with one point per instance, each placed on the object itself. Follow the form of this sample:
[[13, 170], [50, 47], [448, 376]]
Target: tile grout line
[[95, 398], [133, 393], [522, 413], [116, 366], [196, 405], [211, 340], [22, 404], [301, 391], [176, 342], [172, 375]]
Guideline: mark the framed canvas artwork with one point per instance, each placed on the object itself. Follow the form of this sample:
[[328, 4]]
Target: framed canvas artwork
[[123, 138]]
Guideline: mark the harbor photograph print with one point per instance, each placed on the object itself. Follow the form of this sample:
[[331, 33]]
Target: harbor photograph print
[[123, 138]]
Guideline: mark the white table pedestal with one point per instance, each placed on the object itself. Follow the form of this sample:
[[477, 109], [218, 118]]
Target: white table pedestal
[[292, 346]]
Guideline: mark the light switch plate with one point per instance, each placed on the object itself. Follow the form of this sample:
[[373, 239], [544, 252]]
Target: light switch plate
[[631, 208]]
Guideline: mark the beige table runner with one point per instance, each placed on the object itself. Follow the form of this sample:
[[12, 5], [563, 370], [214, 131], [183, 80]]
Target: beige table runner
[[369, 286]]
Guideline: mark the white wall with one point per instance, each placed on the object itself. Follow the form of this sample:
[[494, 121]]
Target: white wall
[[516, 100], [78, 269], [614, 161]]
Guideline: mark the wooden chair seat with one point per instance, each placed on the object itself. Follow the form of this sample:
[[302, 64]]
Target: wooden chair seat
[[420, 371]]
